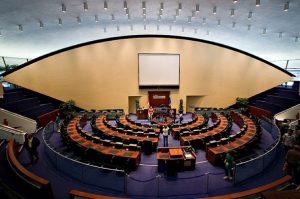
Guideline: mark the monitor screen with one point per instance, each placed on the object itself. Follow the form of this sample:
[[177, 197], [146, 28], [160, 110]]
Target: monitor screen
[[159, 70]]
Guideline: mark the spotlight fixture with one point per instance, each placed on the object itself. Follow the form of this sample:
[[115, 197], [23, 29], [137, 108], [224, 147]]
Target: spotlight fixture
[[264, 31], [0, 33], [118, 28], [159, 18], [286, 6], [157, 27], [233, 24], [125, 5], [144, 11], [63, 7], [249, 27], [250, 15], [182, 29], [105, 5], [161, 6], [131, 27], [20, 27], [215, 10], [257, 3], [177, 12], [219, 22], [85, 6], [96, 18], [144, 5], [78, 20], [195, 30], [180, 6], [170, 28], [160, 13], [197, 7], [207, 32], [128, 17], [296, 39], [193, 14], [41, 24], [232, 13], [189, 19], [127, 11], [144, 17], [104, 29], [204, 21], [235, 1], [59, 21], [280, 35], [174, 19], [145, 27], [113, 17]]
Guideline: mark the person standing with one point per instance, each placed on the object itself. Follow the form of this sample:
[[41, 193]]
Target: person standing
[[165, 135], [229, 166], [292, 159], [180, 118], [31, 144], [150, 113], [57, 121], [288, 140]]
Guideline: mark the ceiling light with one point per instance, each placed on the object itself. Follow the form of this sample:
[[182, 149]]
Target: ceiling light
[[286, 6], [233, 24], [250, 15], [78, 20], [189, 19], [145, 27], [180, 6], [144, 5], [128, 17], [177, 12], [197, 8], [204, 21], [144, 12], [96, 18], [215, 10], [85, 6], [0, 33], [63, 8], [296, 39], [235, 1], [174, 19], [113, 17], [219, 22], [157, 27], [127, 12], [41, 24], [249, 27], [118, 28], [182, 29], [105, 5], [264, 31], [193, 13], [144, 17], [280, 35], [161, 6], [232, 13], [257, 3], [20, 27], [59, 21], [159, 17], [125, 5]]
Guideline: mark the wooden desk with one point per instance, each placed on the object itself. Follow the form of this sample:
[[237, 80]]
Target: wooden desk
[[125, 122], [213, 155], [175, 158]]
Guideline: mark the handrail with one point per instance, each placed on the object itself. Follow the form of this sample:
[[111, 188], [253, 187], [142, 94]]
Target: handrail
[[79, 162], [32, 179], [257, 190], [286, 110], [10, 129], [76, 193], [17, 115]]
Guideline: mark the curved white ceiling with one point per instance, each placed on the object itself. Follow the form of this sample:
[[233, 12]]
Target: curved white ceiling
[[31, 28]]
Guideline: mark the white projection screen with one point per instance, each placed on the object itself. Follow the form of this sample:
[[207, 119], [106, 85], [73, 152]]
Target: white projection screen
[[159, 70]]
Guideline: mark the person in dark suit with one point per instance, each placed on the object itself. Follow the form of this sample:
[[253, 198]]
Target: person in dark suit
[[31, 144]]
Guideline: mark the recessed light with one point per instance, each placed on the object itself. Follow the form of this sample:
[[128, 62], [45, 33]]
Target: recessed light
[[161, 6], [125, 5], [215, 10], [232, 13], [250, 15], [96, 18], [180, 6], [60, 21], [197, 7], [286, 6], [85, 6], [105, 5], [257, 3], [78, 20], [63, 7]]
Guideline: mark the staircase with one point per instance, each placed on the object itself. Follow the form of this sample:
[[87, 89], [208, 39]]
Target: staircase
[[28, 103], [277, 99]]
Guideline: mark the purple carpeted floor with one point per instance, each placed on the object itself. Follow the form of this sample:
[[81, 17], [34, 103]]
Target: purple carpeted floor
[[147, 182]]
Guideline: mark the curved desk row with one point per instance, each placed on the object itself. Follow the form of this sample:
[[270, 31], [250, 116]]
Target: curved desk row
[[127, 122], [124, 157], [215, 154]]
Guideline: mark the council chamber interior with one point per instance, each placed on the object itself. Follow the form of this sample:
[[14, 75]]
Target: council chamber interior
[[115, 96]]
